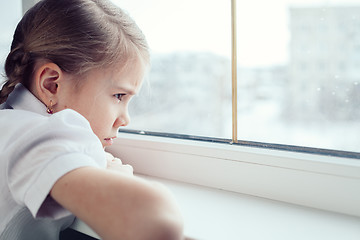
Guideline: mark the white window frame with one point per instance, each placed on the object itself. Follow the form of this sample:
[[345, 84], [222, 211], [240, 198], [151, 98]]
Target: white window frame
[[316, 181]]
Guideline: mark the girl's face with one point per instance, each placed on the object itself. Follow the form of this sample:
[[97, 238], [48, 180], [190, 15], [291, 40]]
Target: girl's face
[[103, 98]]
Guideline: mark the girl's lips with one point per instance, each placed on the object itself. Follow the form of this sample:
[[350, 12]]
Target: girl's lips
[[109, 141]]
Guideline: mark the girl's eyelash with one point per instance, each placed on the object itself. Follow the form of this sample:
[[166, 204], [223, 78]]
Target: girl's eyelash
[[119, 96]]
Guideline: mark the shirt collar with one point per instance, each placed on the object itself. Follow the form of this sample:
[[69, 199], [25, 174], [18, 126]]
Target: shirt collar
[[21, 98]]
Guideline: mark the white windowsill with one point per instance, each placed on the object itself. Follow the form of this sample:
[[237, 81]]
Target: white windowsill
[[234, 192], [327, 183], [211, 214]]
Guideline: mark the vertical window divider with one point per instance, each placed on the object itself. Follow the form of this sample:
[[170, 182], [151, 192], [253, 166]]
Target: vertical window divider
[[234, 71]]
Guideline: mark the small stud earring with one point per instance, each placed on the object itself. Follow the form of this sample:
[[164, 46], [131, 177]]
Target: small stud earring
[[49, 109]]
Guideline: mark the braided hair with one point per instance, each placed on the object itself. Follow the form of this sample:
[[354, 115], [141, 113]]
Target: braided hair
[[18, 68]]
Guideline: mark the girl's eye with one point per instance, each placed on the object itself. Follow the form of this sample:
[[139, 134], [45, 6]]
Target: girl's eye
[[119, 96]]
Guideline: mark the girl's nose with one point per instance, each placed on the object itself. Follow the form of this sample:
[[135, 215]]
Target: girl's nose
[[122, 121]]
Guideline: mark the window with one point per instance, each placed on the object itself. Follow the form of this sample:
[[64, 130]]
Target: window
[[298, 71], [10, 12], [312, 180], [288, 89], [189, 87]]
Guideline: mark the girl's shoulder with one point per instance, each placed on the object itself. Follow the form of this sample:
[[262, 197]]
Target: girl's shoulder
[[18, 118], [11, 118], [64, 132], [67, 126]]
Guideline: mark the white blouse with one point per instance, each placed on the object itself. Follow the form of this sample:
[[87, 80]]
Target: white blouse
[[36, 149]]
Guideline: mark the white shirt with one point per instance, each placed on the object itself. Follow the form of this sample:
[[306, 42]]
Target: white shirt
[[36, 149]]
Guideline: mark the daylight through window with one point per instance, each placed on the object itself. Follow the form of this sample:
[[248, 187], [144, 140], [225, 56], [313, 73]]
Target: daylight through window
[[298, 70]]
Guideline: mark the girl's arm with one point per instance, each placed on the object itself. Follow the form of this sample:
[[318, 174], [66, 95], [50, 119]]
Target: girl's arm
[[118, 206]]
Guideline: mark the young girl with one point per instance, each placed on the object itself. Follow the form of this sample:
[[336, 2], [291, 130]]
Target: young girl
[[73, 67]]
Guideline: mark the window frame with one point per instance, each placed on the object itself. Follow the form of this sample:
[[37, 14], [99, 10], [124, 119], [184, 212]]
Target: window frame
[[318, 181]]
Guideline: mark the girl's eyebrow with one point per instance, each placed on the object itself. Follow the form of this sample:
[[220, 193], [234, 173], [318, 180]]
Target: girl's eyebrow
[[124, 90]]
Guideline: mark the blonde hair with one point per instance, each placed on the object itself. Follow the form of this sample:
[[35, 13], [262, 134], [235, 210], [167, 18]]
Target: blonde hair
[[77, 35]]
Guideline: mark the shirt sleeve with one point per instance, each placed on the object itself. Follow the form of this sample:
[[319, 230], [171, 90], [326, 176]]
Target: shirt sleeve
[[46, 151]]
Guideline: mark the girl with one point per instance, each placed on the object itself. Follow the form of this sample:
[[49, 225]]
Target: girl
[[73, 67]]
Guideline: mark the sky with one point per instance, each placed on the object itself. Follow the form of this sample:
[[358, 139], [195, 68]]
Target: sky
[[203, 25], [182, 25]]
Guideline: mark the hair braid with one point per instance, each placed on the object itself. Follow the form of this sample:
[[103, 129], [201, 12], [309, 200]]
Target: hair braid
[[16, 68]]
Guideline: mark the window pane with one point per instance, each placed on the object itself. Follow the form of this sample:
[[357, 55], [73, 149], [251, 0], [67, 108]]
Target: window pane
[[189, 85], [10, 12], [299, 72]]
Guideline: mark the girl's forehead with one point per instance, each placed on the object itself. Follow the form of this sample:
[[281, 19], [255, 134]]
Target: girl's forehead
[[130, 74]]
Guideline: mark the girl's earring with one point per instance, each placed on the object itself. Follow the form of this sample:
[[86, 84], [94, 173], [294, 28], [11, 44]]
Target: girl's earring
[[49, 109]]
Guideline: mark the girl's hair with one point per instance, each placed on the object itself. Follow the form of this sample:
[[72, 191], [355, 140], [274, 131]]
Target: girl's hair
[[77, 35]]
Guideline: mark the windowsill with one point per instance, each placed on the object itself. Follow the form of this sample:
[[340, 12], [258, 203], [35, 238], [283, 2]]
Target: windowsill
[[236, 192], [211, 214], [316, 181]]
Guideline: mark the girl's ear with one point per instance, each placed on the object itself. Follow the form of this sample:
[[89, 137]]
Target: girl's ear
[[47, 79]]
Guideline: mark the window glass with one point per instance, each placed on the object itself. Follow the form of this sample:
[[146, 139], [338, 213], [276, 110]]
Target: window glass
[[10, 12], [188, 90], [298, 69], [299, 72]]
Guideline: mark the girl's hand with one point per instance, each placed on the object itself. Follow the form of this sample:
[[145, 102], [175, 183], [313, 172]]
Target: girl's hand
[[115, 164]]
